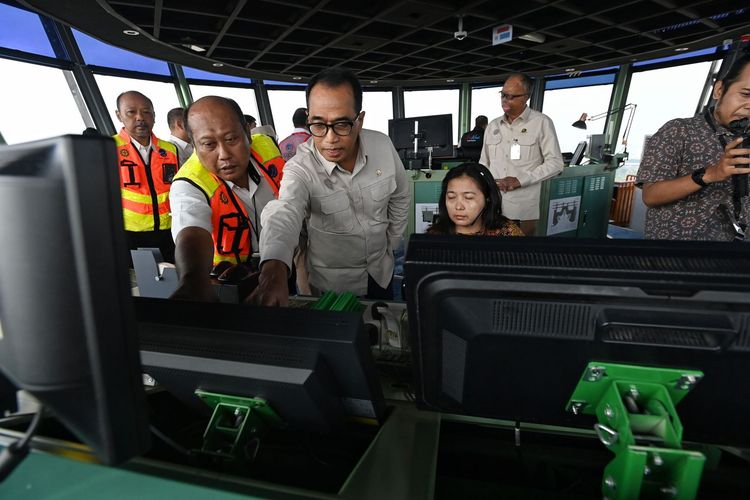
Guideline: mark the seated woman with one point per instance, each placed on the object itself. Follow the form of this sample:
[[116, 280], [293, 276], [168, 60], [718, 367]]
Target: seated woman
[[470, 204]]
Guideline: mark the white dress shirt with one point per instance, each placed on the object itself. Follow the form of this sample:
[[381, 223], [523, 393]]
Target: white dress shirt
[[184, 149], [540, 159]]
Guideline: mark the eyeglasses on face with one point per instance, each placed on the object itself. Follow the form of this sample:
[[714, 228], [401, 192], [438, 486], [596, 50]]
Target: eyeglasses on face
[[342, 128], [510, 97]]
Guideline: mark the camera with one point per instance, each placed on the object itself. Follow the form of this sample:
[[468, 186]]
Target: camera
[[741, 128], [460, 35]]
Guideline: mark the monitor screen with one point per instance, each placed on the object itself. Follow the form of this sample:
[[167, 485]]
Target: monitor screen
[[504, 327], [314, 368], [432, 131], [67, 328], [578, 153]]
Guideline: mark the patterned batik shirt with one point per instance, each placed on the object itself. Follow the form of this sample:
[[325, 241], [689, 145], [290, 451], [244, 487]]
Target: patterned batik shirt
[[680, 147]]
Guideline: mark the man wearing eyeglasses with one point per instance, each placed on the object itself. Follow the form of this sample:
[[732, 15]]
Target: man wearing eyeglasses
[[521, 150], [350, 188]]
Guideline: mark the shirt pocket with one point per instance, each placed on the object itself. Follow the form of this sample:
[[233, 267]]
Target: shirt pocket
[[493, 144], [530, 150], [336, 213], [376, 197]]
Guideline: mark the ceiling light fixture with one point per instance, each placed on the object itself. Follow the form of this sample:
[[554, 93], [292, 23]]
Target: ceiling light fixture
[[460, 34], [681, 49], [217, 65], [533, 37], [131, 32], [296, 78], [450, 80], [374, 81], [194, 48]]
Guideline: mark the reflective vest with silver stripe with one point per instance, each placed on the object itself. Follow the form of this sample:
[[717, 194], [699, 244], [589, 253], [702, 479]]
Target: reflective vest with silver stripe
[[145, 188]]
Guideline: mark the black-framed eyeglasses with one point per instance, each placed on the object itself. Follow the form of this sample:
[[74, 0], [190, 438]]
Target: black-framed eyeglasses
[[510, 97], [342, 128]]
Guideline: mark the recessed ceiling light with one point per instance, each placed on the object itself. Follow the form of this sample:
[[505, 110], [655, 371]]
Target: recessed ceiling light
[[131, 32], [374, 81], [681, 49], [450, 80], [296, 78], [569, 70], [194, 48], [217, 65]]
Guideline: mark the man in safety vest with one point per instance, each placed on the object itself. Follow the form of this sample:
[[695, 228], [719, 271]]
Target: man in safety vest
[[147, 168], [219, 193]]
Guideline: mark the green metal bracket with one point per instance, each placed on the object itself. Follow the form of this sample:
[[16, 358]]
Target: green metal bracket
[[638, 402], [235, 423], [331, 301]]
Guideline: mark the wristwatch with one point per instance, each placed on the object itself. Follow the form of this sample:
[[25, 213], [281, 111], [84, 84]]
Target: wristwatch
[[697, 177]]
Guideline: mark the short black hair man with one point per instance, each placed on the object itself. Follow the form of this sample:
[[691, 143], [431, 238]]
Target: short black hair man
[[350, 188]]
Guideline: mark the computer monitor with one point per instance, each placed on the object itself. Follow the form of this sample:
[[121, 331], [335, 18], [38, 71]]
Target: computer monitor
[[596, 147], [578, 153], [431, 131], [313, 368], [67, 327], [504, 327]]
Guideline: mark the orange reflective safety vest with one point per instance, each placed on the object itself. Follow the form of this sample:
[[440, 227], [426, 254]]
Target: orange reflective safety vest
[[267, 154], [145, 188], [229, 219]]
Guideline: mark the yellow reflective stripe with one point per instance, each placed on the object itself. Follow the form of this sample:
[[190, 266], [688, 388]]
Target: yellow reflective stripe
[[144, 222], [137, 197], [193, 169], [224, 258], [265, 147]]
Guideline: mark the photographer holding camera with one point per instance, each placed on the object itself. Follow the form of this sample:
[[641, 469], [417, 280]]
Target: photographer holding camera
[[694, 170]]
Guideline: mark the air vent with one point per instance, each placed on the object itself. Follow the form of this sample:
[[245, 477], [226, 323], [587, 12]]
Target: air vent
[[543, 319], [675, 337], [509, 258]]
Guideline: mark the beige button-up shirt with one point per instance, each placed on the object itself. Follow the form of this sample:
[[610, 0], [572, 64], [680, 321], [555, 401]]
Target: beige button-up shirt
[[354, 220], [540, 159]]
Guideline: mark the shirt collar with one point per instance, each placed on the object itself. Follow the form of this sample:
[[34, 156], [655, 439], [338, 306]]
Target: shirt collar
[[523, 116], [300, 129], [182, 144], [329, 166], [140, 147]]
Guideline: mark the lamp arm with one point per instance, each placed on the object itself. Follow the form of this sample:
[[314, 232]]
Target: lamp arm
[[629, 124], [612, 112]]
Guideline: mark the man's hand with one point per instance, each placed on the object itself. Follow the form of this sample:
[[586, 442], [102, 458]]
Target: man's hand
[[272, 289], [733, 161], [196, 288], [194, 249], [508, 184]]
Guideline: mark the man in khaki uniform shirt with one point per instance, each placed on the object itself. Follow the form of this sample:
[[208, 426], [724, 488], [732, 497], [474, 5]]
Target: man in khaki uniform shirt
[[521, 150], [351, 189]]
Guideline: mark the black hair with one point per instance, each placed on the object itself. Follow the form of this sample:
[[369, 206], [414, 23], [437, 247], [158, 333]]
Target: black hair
[[119, 98], [526, 81], [249, 118], [481, 121], [174, 115], [299, 118], [91, 131], [733, 74], [230, 103], [335, 77], [492, 215]]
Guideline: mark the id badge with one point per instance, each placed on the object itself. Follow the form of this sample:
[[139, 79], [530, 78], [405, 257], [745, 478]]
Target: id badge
[[168, 172], [515, 151]]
